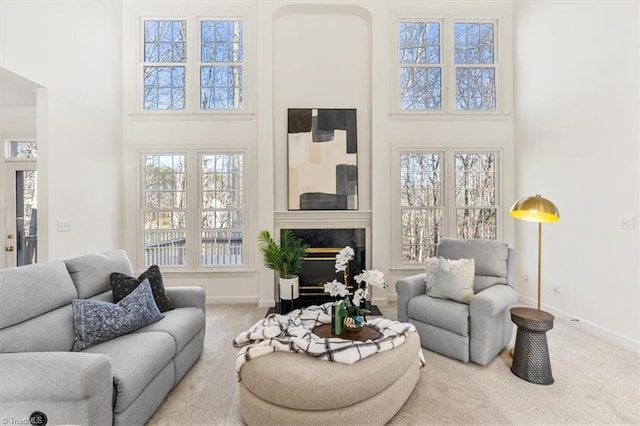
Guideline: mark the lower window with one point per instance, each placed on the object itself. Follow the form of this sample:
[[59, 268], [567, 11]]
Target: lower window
[[192, 223], [435, 203]]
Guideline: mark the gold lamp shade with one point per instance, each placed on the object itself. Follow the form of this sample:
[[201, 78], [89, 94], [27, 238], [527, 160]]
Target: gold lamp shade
[[535, 209]]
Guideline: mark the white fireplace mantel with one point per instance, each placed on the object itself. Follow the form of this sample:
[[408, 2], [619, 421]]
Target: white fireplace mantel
[[323, 219]]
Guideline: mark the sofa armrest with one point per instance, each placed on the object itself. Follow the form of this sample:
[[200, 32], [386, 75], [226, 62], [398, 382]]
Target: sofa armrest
[[183, 297], [493, 300], [68, 387], [407, 288]]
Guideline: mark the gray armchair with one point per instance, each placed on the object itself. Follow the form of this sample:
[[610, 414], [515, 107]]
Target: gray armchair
[[475, 332]]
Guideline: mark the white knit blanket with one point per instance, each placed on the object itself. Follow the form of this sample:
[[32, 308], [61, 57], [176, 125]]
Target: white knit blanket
[[292, 333]]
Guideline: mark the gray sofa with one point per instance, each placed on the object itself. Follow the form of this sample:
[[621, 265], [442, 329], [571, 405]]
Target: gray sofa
[[477, 331], [121, 381]]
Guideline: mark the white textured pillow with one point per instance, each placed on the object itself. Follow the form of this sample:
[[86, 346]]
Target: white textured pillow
[[454, 280], [430, 267]]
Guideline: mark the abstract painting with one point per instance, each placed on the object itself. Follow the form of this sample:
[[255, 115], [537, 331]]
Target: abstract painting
[[323, 159]]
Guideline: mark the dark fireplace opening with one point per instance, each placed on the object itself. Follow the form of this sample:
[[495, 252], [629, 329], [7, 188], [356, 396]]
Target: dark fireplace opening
[[319, 265]]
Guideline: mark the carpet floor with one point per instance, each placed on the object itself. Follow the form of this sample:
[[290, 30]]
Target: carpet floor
[[595, 383]]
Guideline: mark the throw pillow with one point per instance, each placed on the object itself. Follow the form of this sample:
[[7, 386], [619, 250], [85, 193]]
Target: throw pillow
[[430, 267], [122, 285], [454, 280], [97, 321]]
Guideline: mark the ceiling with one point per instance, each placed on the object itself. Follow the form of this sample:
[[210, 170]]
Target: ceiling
[[15, 90]]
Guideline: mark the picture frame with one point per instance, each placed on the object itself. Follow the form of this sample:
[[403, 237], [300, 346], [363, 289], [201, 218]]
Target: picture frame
[[322, 159]]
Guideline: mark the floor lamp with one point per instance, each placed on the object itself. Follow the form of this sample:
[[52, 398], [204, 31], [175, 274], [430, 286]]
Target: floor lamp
[[536, 209]]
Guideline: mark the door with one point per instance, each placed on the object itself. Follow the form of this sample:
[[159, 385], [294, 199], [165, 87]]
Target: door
[[20, 212]]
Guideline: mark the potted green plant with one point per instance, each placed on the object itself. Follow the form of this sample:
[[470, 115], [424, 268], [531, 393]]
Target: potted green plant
[[285, 258]]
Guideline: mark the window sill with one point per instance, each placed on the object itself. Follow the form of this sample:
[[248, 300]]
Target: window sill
[[406, 270], [189, 116], [442, 116], [216, 273]]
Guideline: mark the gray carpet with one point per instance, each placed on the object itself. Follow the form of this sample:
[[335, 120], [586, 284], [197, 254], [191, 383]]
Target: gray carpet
[[595, 383]]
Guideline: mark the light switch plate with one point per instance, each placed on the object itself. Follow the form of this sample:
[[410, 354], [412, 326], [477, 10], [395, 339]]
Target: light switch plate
[[64, 225]]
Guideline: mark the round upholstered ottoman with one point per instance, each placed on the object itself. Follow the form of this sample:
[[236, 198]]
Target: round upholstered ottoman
[[287, 388]]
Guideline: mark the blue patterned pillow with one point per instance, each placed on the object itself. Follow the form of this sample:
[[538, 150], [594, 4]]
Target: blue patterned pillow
[[97, 321]]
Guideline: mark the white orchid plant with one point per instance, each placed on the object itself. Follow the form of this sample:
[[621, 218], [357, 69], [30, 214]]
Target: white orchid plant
[[335, 288]]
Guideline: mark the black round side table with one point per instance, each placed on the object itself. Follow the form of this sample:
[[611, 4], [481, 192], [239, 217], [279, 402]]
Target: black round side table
[[531, 354]]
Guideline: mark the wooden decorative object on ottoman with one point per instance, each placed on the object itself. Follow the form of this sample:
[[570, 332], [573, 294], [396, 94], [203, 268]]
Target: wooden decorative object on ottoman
[[297, 389]]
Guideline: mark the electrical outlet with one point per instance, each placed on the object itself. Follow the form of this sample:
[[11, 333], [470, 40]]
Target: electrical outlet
[[64, 225], [556, 288], [526, 279]]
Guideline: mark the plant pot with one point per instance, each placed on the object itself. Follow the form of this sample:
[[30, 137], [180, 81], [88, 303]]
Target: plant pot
[[289, 288]]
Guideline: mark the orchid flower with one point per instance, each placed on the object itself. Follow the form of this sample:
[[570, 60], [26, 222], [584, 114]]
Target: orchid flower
[[336, 288], [359, 295], [372, 277]]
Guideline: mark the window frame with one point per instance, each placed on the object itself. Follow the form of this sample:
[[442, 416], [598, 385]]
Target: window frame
[[201, 209], [496, 65], [192, 110], [441, 65], [449, 207], [448, 18], [193, 210], [200, 63], [7, 149], [170, 64]]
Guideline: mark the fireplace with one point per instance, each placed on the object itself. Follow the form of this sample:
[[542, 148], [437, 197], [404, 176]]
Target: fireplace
[[319, 264]]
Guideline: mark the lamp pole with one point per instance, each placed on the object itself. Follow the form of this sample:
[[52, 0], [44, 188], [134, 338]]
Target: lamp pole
[[539, 262]]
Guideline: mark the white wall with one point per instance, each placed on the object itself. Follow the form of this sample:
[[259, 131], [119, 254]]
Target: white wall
[[577, 143], [73, 50]]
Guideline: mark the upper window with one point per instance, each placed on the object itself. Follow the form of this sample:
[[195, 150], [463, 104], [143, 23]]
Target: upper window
[[447, 65], [164, 72], [170, 68], [179, 231], [434, 203], [221, 65], [420, 66], [475, 67]]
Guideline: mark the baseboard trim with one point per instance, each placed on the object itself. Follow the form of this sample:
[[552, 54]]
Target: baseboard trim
[[232, 299], [588, 326], [266, 303]]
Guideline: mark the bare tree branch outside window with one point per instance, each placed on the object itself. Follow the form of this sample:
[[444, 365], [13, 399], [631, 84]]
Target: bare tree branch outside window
[[222, 51], [422, 206], [222, 209], [164, 210], [164, 85], [420, 68]]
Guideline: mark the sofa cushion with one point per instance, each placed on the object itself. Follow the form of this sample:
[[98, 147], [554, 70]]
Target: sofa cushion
[[430, 268], [32, 290], [490, 256], [443, 313], [123, 284], [182, 324], [482, 282], [52, 331], [96, 321], [90, 273], [453, 280], [136, 358]]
